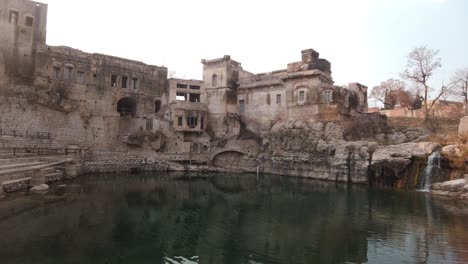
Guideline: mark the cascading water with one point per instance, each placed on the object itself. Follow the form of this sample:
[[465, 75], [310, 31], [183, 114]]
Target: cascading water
[[433, 166]]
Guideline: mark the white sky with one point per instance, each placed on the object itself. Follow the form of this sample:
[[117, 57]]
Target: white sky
[[366, 41]]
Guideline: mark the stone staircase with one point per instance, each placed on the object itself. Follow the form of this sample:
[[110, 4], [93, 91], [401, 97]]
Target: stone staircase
[[22, 173]]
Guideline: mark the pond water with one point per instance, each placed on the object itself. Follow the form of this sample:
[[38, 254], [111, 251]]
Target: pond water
[[165, 218]]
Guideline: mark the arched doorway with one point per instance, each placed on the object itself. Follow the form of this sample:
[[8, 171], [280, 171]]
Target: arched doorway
[[126, 107], [157, 106]]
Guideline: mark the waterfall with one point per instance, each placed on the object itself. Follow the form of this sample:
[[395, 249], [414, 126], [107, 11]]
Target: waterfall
[[433, 165]]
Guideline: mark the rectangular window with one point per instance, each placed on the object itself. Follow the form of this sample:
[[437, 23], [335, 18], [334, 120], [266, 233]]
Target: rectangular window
[[136, 83], [29, 21], [180, 85], [327, 96], [241, 106], [124, 82], [202, 122], [192, 121], [179, 121], [80, 77], [278, 99], [56, 73], [113, 80], [194, 98], [194, 87], [149, 124], [268, 99], [301, 96], [68, 74], [13, 18], [181, 96]]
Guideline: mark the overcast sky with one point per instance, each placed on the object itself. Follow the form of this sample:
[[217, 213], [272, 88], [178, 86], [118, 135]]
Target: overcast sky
[[366, 41]]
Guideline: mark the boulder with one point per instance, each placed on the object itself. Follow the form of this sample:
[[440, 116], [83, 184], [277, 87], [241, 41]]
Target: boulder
[[450, 186], [397, 138], [451, 151], [463, 126], [43, 188]]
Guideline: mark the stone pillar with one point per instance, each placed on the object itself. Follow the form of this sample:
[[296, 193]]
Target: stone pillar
[[37, 178], [70, 170]]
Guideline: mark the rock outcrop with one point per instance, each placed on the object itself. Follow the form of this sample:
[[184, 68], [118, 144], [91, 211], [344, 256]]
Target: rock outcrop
[[319, 150], [454, 189]]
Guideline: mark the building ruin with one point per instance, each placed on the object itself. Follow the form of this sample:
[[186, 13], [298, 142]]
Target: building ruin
[[103, 103]]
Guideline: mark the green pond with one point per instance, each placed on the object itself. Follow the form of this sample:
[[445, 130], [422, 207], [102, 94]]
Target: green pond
[[229, 218]]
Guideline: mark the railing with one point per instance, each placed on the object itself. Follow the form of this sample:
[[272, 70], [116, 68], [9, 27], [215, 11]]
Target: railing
[[25, 134], [21, 152]]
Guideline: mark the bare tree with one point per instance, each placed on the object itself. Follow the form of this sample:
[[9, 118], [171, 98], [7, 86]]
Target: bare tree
[[460, 88], [421, 65], [409, 100], [387, 92]]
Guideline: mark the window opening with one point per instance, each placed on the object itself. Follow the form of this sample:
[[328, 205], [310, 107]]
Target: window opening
[[192, 122], [124, 81], [68, 73], [29, 21], [13, 18], [278, 99], [157, 106], [241, 106], [194, 87], [181, 96], [113, 80], [194, 98], [179, 120], [180, 85], [301, 96], [214, 80], [327, 96], [57, 73], [136, 83], [80, 76], [149, 124]]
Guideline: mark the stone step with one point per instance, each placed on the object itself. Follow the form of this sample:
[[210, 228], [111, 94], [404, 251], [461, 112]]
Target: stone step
[[16, 185], [12, 161], [20, 165], [53, 177]]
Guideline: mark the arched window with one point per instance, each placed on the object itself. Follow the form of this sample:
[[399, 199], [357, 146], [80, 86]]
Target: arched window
[[214, 80], [327, 96], [157, 106], [126, 107]]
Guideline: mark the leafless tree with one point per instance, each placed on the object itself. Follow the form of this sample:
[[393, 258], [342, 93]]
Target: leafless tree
[[387, 92], [421, 66], [460, 88]]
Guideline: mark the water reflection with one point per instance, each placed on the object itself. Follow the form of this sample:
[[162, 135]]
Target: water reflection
[[230, 219]]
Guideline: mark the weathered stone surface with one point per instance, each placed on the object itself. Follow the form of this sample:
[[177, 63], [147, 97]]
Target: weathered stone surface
[[397, 138], [16, 185], [463, 126], [43, 188], [389, 162], [451, 150], [451, 186], [455, 189]]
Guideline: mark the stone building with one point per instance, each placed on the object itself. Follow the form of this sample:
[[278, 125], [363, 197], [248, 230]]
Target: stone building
[[104, 103]]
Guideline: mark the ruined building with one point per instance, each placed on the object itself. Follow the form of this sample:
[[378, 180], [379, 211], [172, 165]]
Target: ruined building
[[98, 102]]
